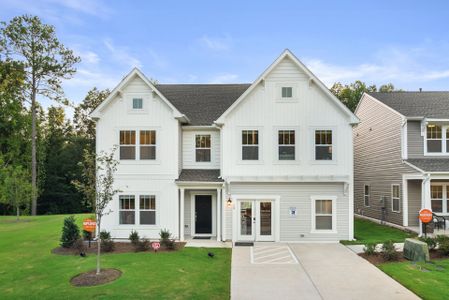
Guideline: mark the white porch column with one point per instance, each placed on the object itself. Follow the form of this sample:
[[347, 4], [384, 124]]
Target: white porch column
[[425, 199], [218, 214], [181, 215], [223, 209]]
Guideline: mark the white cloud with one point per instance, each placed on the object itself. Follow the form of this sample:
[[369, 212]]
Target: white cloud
[[224, 78], [122, 55], [216, 43]]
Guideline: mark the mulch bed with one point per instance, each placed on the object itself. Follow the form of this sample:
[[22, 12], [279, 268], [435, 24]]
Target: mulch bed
[[377, 258], [91, 278], [119, 247]]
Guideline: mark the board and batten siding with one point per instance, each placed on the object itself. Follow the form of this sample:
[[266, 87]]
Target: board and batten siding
[[188, 149], [378, 158], [415, 142], [298, 228]]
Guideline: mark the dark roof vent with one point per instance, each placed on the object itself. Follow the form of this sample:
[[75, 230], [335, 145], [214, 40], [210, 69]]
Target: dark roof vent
[[420, 90]]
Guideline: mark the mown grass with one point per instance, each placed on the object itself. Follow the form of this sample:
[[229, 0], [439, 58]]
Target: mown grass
[[29, 271]]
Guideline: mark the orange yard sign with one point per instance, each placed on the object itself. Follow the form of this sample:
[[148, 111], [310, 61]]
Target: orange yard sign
[[425, 215], [89, 225]]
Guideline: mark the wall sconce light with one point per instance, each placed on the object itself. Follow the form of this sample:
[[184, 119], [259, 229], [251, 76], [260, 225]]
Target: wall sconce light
[[229, 202]]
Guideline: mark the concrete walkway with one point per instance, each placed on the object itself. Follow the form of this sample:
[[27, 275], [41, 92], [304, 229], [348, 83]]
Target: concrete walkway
[[315, 271]]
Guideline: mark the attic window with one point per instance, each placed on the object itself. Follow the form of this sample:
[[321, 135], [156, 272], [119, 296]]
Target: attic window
[[287, 92], [137, 103]]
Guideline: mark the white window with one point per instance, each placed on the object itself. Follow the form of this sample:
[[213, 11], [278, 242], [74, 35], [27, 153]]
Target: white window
[[447, 139], [366, 194], [434, 138], [287, 92], [137, 103], [323, 213], [127, 213], [286, 145], [323, 145], [436, 196], [147, 144], [147, 210], [127, 144], [202, 148], [250, 145], [395, 198]]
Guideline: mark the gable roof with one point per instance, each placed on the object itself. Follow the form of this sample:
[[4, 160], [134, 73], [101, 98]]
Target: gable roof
[[288, 54], [434, 105], [202, 103], [430, 164]]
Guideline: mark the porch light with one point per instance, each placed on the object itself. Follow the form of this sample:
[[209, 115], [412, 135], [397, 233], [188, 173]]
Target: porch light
[[229, 202]]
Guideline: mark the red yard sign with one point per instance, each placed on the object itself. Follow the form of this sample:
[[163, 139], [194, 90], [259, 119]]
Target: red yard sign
[[425, 215], [155, 246], [89, 225]]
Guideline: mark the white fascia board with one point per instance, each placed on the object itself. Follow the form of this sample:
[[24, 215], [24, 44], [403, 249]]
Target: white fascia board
[[413, 166]]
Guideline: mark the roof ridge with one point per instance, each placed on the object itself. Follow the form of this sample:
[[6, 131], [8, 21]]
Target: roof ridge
[[209, 84]]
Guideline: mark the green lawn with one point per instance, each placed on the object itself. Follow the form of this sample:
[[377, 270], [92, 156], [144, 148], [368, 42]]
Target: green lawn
[[366, 231], [29, 270], [429, 281]]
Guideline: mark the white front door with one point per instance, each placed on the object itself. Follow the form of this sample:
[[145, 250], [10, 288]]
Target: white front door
[[255, 220]]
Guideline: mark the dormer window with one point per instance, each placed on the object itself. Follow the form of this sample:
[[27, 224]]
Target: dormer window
[[137, 103], [287, 92]]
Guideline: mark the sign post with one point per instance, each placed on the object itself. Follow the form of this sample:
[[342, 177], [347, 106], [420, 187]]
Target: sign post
[[89, 225], [425, 216], [155, 246]]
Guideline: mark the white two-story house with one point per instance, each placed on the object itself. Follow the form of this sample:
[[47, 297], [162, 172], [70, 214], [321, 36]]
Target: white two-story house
[[267, 161]]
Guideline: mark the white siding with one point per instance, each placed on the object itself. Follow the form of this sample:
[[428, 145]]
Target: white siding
[[188, 150]]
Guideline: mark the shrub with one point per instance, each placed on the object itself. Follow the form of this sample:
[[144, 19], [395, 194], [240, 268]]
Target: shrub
[[370, 249], [87, 235], [166, 239], [79, 245], [443, 247], [431, 242], [389, 251], [107, 244], [441, 239], [70, 232], [142, 245], [134, 237]]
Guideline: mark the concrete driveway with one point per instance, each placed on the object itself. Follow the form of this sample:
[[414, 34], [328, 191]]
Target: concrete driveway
[[308, 271]]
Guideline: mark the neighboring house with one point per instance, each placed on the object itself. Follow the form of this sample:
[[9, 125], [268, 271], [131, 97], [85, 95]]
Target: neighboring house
[[401, 155], [267, 161]]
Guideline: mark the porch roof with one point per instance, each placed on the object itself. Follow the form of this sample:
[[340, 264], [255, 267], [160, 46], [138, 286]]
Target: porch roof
[[199, 175], [430, 164]]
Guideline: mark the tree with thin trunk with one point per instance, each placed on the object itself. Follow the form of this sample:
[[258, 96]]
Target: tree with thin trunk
[[46, 63]]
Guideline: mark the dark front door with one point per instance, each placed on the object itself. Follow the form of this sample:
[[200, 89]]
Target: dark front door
[[203, 214]]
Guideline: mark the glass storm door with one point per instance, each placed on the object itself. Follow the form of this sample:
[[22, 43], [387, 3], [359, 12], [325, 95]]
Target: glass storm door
[[246, 221], [264, 221], [256, 220]]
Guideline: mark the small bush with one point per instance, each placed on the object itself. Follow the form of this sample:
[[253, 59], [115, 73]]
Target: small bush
[[389, 251], [87, 235], [134, 237], [166, 239], [79, 245], [70, 232], [443, 247], [142, 245], [431, 242], [370, 249], [441, 239], [107, 244]]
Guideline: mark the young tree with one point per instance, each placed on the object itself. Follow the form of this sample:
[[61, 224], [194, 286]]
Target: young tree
[[46, 63]]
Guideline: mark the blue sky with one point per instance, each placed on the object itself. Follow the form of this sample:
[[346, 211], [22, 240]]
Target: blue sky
[[403, 42]]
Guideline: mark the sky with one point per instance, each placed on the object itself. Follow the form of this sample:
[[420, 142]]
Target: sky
[[402, 42]]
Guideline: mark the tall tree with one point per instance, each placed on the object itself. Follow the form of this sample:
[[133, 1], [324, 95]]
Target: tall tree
[[46, 63], [351, 94]]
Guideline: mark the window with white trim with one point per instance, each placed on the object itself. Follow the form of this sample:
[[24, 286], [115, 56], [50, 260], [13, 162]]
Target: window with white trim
[[324, 214], [137, 103], [250, 145], [127, 144], [447, 139], [202, 148], [395, 198], [434, 138], [366, 194], [323, 144], [147, 144], [286, 145], [436, 198], [147, 209], [127, 210], [287, 92]]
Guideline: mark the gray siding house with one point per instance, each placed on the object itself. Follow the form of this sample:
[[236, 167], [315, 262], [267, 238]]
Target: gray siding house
[[401, 156]]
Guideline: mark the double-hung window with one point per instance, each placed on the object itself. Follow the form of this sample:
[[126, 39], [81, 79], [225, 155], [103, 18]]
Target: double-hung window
[[447, 140], [286, 144], [147, 209], [323, 145], [148, 144], [127, 213], [436, 196], [324, 211], [366, 194], [202, 148], [127, 144], [395, 198], [434, 138], [250, 145], [137, 103]]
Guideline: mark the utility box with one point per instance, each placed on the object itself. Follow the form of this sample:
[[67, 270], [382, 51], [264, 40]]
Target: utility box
[[415, 250]]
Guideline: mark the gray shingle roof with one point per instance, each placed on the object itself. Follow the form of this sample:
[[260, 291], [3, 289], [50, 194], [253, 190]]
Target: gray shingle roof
[[202, 103], [200, 175], [417, 104], [431, 164]]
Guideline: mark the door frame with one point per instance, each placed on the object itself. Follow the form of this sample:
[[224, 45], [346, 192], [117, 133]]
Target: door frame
[[192, 213], [236, 216]]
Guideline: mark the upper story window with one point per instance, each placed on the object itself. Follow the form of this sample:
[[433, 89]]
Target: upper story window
[[148, 144], [250, 145], [366, 194], [286, 141], [434, 138], [287, 92], [447, 139], [323, 144], [395, 198], [127, 144], [137, 103], [202, 148]]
